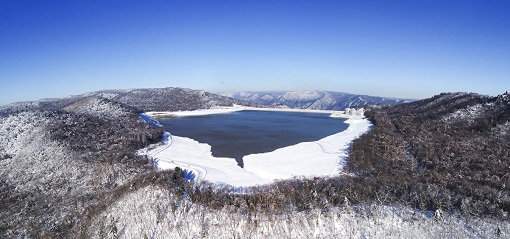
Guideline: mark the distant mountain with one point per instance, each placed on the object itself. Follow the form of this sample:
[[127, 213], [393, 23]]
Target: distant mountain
[[169, 99], [323, 100], [150, 99]]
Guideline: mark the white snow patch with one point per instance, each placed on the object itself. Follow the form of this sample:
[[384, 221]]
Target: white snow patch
[[267, 97], [245, 94], [470, 113], [189, 154], [324, 157]]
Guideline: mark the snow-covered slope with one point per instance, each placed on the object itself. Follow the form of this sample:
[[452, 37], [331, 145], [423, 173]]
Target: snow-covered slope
[[54, 162], [323, 100], [154, 212]]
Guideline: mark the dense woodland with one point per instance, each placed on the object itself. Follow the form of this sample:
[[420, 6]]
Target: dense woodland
[[449, 152], [64, 166]]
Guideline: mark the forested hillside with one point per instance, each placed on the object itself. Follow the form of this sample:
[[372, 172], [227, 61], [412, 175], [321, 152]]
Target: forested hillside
[[451, 151]]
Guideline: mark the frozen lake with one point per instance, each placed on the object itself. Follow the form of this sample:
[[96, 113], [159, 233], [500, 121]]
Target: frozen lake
[[241, 133]]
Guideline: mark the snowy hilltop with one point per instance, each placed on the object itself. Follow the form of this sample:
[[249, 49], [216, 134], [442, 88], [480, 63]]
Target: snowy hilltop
[[318, 100]]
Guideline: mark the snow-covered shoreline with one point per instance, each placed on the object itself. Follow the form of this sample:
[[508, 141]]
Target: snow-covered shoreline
[[235, 108], [324, 157]]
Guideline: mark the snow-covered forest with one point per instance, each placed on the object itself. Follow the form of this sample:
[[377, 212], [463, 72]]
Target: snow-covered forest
[[433, 168]]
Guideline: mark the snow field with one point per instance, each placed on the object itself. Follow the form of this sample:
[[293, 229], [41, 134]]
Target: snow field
[[320, 158]]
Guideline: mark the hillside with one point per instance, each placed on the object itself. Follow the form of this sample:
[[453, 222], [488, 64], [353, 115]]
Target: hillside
[[319, 100], [451, 151], [59, 156], [55, 163]]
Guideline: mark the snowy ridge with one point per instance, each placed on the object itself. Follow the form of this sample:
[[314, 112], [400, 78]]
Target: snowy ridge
[[173, 99], [458, 97], [318, 100]]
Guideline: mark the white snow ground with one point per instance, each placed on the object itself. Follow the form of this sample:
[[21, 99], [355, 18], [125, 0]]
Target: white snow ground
[[324, 157]]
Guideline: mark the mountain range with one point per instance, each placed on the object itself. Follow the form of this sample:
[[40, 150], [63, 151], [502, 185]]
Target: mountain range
[[176, 99], [318, 100]]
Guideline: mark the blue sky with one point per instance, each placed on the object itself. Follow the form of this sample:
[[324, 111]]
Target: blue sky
[[410, 49]]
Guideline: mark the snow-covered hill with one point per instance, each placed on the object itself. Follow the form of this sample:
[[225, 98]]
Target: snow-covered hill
[[320, 100], [143, 100]]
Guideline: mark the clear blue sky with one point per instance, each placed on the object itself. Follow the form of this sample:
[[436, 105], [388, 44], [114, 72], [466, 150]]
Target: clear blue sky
[[405, 48]]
